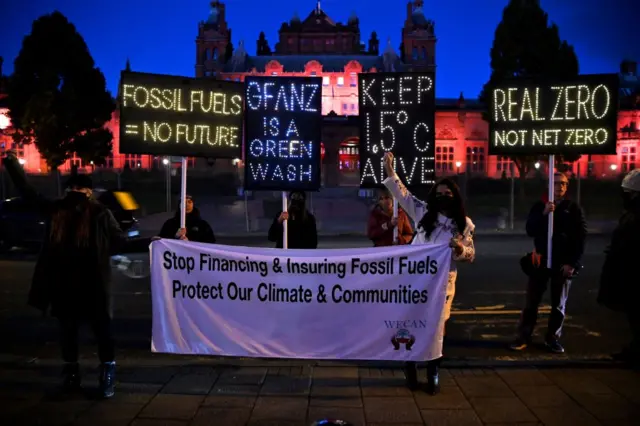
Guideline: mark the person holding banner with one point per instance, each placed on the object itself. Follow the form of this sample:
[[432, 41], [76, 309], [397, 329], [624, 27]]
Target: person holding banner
[[619, 289], [382, 223], [302, 231], [442, 219], [197, 229], [569, 234], [73, 273]]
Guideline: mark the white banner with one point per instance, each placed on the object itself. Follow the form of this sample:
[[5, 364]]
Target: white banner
[[384, 303]]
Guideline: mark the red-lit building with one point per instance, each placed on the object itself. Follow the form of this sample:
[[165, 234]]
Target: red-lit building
[[319, 46]]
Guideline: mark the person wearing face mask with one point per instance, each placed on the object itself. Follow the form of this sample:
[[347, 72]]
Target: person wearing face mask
[[72, 276], [198, 230], [440, 220], [382, 224], [619, 286], [568, 242], [301, 225]]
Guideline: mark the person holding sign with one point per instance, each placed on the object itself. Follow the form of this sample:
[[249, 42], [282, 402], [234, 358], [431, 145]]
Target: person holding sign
[[440, 220], [197, 229], [382, 223], [569, 234], [302, 231], [619, 290]]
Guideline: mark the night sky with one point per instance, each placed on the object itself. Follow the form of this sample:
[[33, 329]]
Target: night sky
[[159, 36]]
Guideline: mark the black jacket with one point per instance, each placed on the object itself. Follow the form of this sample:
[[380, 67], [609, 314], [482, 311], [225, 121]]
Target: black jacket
[[74, 282], [302, 233], [569, 232], [619, 281], [198, 230]]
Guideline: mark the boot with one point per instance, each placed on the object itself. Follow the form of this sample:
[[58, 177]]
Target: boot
[[433, 377], [411, 375], [107, 379], [71, 373]]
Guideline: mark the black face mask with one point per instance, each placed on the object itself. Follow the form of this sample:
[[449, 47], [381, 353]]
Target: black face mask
[[444, 202], [296, 205]]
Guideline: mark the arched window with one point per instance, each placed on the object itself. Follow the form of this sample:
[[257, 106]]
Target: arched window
[[215, 54], [424, 53], [415, 53]]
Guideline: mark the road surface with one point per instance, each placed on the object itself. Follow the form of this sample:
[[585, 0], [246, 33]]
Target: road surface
[[488, 298]]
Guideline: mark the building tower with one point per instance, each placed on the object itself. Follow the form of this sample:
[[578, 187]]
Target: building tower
[[211, 42], [418, 39]]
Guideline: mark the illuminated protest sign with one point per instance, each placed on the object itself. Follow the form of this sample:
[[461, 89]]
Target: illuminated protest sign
[[578, 116], [397, 114], [180, 116], [283, 129]]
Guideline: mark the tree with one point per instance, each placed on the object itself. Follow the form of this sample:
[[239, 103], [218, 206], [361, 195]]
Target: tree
[[525, 45], [57, 96], [263, 48]]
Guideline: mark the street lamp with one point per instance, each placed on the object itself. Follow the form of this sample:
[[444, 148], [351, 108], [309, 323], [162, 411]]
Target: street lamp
[[236, 161], [537, 165], [458, 164], [22, 161], [165, 161], [614, 167]]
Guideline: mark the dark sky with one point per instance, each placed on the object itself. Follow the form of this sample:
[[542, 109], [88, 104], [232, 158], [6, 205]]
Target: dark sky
[[159, 35]]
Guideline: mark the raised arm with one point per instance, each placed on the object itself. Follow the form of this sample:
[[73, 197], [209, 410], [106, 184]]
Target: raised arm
[[468, 253], [28, 192], [414, 207]]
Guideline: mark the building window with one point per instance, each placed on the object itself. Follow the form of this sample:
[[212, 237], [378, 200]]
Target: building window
[[503, 164], [340, 81], [313, 73], [274, 73], [444, 159], [326, 80], [132, 161], [354, 79], [414, 55], [475, 159], [628, 158], [345, 109], [353, 107]]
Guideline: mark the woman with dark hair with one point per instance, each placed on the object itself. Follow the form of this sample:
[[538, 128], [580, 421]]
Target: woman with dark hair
[[301, 225], [73, 273], [441, 219]]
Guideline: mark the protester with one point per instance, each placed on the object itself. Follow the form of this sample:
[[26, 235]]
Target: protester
[[197, 229], [382, 224], [73, 273], [619, 289], [441, 219], [301, 225], [569, 234]]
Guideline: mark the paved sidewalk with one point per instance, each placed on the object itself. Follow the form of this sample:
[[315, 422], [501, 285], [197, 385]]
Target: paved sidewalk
[[178, 392]]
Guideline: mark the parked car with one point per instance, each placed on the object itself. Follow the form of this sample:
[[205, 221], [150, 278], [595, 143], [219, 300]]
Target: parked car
[[23, 227]]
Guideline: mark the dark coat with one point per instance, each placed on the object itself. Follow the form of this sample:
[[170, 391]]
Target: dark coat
[[302, 232], [198, 230], [379, 220], [619, 280], [569, 233], [74, 282]]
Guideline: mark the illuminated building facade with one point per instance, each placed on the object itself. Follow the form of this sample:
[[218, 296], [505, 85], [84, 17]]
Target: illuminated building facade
[[319, 46]]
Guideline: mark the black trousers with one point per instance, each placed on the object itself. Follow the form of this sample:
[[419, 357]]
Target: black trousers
[[634, 324], [101, 327], [535, 291]]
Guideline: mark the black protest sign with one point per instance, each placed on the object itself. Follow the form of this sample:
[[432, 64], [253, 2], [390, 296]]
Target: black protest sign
[[180, 116], [397, 114], [578, 116], [283, 131]]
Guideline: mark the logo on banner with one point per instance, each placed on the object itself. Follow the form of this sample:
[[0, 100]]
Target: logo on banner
[[403, 337]]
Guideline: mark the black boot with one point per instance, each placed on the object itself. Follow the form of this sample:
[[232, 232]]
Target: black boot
[[411, 375], [107, 379], [71, 381], [433, 377]]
